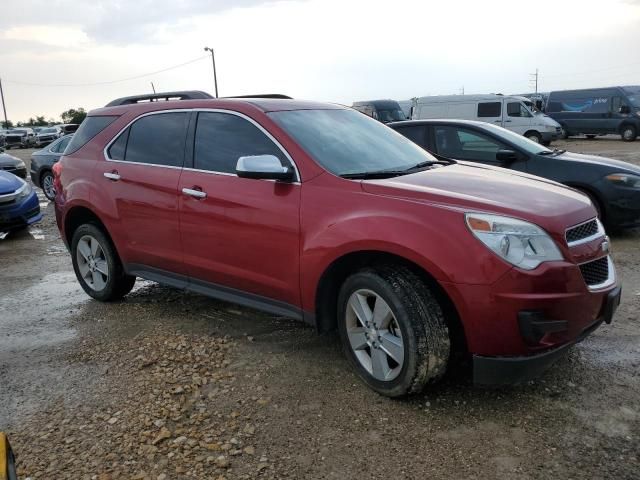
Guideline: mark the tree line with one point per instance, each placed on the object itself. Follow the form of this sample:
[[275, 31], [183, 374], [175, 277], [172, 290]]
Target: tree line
[[73, 115]]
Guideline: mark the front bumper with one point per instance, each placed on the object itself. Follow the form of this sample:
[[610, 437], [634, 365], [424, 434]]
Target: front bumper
[[20, 215], [17, 171], [550, 136], [518, 370]]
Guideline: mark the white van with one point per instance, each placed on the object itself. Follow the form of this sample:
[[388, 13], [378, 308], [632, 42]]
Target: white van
[[514, 113]]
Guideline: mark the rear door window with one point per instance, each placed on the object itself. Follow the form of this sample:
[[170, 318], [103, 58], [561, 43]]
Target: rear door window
[[222, 138], [489, 109], [157, 139], [62, 144], [415, 133], [89, 128], [463, 144]]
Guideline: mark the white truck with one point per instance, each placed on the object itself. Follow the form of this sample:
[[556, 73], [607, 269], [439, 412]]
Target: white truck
[[515, 113]]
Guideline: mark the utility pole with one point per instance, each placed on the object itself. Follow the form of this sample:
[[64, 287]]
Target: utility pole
[[213, 61], [534, 79], [153, 88], [4, 107]]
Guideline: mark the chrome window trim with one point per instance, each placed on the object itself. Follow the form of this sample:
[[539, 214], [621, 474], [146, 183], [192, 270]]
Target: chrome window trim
[[611, 279], [297, 180], [598, 234]]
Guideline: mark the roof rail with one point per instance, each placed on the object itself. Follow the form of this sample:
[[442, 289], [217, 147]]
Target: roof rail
[[162, 96], [264, 95]]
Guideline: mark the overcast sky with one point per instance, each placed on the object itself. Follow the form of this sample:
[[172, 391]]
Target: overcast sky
[[332, 50]]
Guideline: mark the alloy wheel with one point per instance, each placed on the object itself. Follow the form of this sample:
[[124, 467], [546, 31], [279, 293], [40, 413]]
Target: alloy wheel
[[374, 335], [92, 263], [48, 186]]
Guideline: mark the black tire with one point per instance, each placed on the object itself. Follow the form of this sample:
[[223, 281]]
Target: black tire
[[534, 136], [117, 283], [565, 133], [596, 204], [590, 136], [47, 175], [419, 318], [628, 133]]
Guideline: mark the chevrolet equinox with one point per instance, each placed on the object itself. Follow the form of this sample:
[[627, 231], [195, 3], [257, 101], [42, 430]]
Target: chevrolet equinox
[[317, 212]]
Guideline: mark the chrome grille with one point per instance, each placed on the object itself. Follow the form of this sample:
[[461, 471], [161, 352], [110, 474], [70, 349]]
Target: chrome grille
[[595, 272], [582, 231]]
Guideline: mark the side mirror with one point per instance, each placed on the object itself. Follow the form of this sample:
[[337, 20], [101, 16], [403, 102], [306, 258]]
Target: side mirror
[[506, 156], [624, 109], [263, 167]]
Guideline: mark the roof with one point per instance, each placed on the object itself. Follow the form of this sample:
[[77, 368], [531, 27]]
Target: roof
[[388, 103], [431, 121], [263, 104]]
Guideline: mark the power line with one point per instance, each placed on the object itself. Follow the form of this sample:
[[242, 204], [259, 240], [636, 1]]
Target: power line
[[109, 82]]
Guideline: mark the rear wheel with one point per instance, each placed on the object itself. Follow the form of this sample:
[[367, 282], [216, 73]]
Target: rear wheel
[[48, 186], [629, 133], [97, 265], [393, 330], [534, 137]]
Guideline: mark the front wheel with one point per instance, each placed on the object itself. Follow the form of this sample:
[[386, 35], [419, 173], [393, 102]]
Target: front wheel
[[97, 265], [534, 137], [393, 330], [629, 133]]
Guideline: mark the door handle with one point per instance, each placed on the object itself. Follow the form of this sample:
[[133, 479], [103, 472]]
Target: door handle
[[497, 121], [507, 121], [113, 176], [199, 194]]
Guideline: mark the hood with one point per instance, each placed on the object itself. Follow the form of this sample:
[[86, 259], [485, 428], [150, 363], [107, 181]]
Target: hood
[[15, 134], [9, 183], [480, 188], [6, 159], [618, 165]]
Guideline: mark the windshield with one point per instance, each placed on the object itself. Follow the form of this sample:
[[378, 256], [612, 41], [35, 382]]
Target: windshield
[[47, 130], [18, 131], [394, 115], [520, 141], [633, 95], [347, 142]]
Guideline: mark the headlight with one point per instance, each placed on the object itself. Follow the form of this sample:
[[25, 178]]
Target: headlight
[[624, 180], [520, 243], [24, 191]]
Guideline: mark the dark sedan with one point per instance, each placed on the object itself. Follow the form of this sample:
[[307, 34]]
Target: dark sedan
[[42, 162], [612, 185], [11, 164]]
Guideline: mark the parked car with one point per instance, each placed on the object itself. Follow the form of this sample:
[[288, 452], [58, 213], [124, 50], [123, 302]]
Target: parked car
[[67, 128], [9, 163], [19, 205], [20, 137], [514, 113], [383, 110], [42, 162], [280, 205], [47, 135], [597, 111], [2, 135], [613, 186]]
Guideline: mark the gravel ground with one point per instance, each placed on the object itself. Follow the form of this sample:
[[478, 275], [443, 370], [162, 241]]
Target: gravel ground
[[168, 385]]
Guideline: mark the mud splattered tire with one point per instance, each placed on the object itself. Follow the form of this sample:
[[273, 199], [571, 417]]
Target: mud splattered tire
[[97, 265], [393, 330], [628, 133]]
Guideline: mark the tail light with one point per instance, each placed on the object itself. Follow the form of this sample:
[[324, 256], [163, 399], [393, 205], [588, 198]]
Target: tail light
[[57, 171]]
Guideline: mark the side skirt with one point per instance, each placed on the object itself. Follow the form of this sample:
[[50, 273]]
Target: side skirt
[[220, 292]]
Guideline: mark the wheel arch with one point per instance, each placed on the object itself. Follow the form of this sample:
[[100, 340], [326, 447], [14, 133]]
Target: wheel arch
[[79, 215], [331, 280]]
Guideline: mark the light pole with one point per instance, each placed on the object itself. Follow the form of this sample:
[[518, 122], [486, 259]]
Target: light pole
[[213, 61]]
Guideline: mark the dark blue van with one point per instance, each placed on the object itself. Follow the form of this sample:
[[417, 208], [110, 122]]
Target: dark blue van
[[597, 111]]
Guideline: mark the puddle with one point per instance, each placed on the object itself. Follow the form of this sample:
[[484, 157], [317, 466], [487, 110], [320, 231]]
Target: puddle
[[37, 315]]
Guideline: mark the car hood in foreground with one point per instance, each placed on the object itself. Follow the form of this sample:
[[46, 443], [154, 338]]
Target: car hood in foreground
[[480, 188], [9, 183], [6, 159], [617, 165]]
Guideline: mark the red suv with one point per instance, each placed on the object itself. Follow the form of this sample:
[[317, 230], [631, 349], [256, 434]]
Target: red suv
[[318, 212]]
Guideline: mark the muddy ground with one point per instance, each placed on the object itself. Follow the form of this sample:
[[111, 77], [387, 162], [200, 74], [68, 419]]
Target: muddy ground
[[168, 385]]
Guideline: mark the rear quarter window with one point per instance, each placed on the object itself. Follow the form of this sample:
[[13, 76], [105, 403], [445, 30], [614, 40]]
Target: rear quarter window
[[89, 128]]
